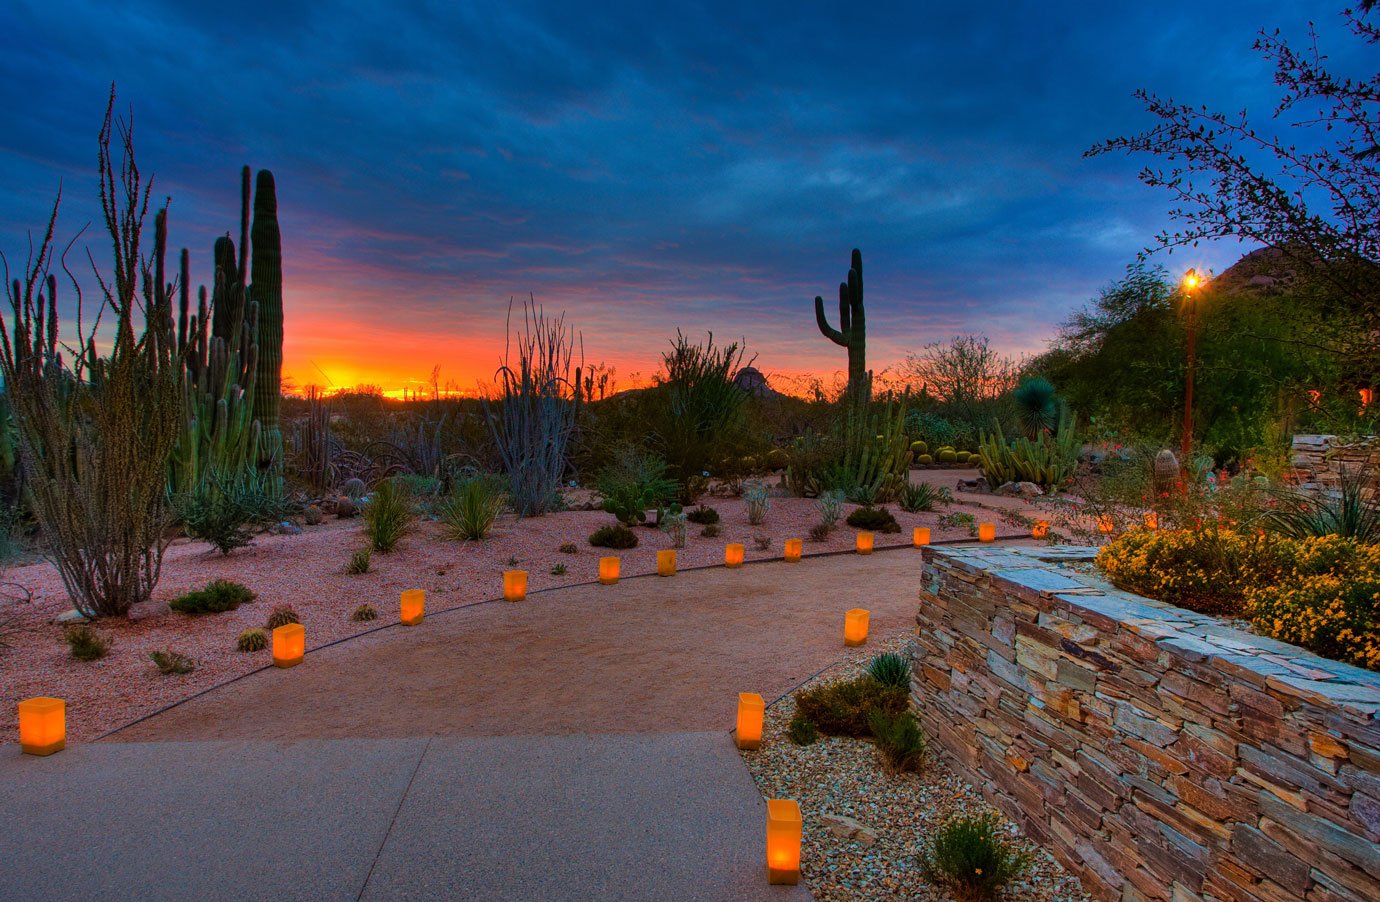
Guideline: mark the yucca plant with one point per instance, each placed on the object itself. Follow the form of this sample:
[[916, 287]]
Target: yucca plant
[[972, 859], [921, 496], [890, 669], [1037, 406], [388, 516], [1352, 512], [470, 510]]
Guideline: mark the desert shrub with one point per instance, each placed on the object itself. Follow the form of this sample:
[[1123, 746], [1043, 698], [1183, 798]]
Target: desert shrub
[[900, 741], [225, 511], [1352, 512], [419, 485], [699, 419], [757, 501], [252, 640], [711, 531], [281, 615], [820, 533], [874, 519], [218, 596], [959, 520], [761, 542], [359, 562], [890, 669], [469, 511], [843, 708], [970, 858], [802, 731], [921, 496], [85, 643], [930, 427], [830, 507], [633, 484], [702, 515], [558, 570], [364, 613], [616, 536], [388, 516], [569, 548], [1206, 570], [170, 662], [807, 458]]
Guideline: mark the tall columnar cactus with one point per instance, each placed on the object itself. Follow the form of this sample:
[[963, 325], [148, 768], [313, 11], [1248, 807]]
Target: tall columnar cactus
[[266, 292], [852, 330]]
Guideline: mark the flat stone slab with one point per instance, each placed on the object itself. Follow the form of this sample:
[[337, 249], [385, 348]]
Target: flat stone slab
[[646, 816]]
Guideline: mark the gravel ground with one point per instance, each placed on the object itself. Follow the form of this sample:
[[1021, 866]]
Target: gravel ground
[[842, 776], [307, 572]]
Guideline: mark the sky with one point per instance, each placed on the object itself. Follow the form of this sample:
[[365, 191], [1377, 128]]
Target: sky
[[640, 167]]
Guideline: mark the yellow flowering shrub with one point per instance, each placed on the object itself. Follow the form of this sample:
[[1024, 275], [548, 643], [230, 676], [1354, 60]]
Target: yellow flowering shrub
[[1320, 593]]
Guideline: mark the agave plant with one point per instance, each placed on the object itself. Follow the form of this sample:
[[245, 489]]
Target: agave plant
[[1353, 511]]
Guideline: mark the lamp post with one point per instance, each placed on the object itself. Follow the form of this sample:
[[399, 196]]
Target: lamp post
[[1190, 283]]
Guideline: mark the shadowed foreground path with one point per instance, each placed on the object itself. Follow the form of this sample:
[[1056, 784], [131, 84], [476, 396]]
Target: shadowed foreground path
[[572, 746]]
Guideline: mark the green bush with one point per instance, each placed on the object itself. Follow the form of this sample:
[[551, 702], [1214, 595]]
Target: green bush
[[972, 860], [388, 516], [873, 519], [469, 512], [218, 596], [281, 615], [635, 483], [253, 639], [85, 643], [359, 562], [890, 669], [226, 512], [843, 708], [170, 662], [702, 515], [916, 497], [899, 739], [616, 536], [930, 427], [802, 731]]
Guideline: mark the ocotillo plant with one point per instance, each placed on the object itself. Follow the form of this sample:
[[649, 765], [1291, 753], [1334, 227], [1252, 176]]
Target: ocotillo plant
[[266, 292], [852, 330]]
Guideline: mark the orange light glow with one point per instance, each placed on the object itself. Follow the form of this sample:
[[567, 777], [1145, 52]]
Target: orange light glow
[[1151, 520], [733, 555], [289, 645], [987, 532], [666, 562], [784, 831], [855, 626], [608, 570], [1106, 525], [412, 606], [1040, 530], [921, 536], [864, 542], [42, 726], [1367, 396], [793, 547], [748, 733], [514, 585]]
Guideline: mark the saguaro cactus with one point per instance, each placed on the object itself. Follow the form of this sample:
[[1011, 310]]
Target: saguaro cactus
[[266, 293], [852, 330]]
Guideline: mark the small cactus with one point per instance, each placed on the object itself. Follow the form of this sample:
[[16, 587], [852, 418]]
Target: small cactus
[[282, 615], [354, 489], [252, 640], [312, 515], [947, 457], [1166, 472], [925, 460], [359, 563], [919, 448], [569, 548], [363, 613], [345, 508]]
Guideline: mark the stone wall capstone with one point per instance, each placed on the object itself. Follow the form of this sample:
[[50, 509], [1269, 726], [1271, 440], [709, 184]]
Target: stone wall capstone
[[1159, 753]]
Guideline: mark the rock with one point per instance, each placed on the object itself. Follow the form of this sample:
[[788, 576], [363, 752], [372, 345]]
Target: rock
[[972, 485], [287, 529], [1008, 488], [846, 827], [72, 616], [345, 508], [326, 505], [1029, 489]]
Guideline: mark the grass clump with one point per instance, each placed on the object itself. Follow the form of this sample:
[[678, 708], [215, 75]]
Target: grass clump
[[802, 731], [219, 596], [359, 563], [388, 516], [873, 519], [890, 669], [282, 615], [85, 643], [899, 739], [253, 639], [820, 533], [364, 613], [469, 512], [844, 708], [172, 663], [558, 570], [703, 515], [617, 536], [970, 858]]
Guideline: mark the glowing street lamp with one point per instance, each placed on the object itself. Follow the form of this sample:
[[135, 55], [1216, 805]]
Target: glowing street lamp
[[1192, 281]]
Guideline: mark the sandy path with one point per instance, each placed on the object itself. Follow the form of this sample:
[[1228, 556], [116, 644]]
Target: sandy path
[[647, 655]]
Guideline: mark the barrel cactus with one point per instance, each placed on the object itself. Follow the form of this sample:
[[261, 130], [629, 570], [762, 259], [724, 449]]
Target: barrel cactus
[[948, 456], [919, 448], [354, 489], [252, 640], [282, 615], [925, 460], [1166, 472]]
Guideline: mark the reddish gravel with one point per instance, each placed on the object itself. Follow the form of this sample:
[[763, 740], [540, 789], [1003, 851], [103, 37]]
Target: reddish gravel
[[307, 572]]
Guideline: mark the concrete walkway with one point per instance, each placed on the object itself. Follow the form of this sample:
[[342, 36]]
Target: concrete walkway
[[367, 773]]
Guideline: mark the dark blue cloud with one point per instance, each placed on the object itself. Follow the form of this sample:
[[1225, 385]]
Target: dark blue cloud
[[643, 167]]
